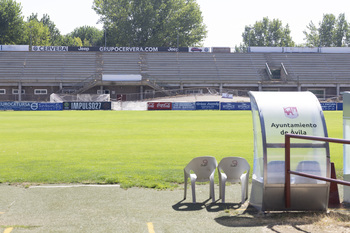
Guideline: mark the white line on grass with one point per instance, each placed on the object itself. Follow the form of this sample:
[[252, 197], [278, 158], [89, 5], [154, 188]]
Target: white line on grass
[[77, 185]]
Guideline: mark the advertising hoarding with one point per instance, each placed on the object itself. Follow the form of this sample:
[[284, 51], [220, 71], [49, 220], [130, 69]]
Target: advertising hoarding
[[108, 49], [87, 106], [199, 49], [30, 106], [50, 48], [14, 48], [340, 106], [159, 106], [184, 106], [215, 105], [329, 106], [235, 106]]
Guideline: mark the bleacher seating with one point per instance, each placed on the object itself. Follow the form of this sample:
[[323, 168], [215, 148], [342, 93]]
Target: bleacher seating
[[46, 67], [244, 70]]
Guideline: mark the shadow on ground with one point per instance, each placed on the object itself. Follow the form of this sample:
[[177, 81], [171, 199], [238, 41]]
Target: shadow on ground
[[211, 207], [185, 206], [243, 215], [251, 217]]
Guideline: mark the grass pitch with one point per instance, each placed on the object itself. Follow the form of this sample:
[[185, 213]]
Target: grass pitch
[[145, 149]]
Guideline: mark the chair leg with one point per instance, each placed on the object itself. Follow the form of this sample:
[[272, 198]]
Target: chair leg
[[244, 189], [223, 186], [193, 185], [243, 194], [212, 192], [185, 193]]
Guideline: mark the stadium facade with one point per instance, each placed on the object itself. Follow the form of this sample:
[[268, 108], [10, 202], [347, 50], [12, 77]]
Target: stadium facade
[[138, 73]]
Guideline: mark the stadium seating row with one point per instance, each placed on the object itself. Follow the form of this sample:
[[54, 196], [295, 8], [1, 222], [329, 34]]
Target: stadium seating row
[[241, 69]]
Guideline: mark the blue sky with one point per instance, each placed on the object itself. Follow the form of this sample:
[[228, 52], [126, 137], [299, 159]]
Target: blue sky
[[225, 19]]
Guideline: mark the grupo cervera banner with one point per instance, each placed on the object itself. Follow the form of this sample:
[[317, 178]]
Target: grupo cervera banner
[[114, 49], [159, 106], [50, 48], [142, 49], [30, 106], [128, 49], [108, 49], [184, 106], [235, 106], [215, 105], [87, 106]]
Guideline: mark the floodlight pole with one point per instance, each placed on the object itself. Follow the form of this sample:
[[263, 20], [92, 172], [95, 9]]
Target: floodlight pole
[[31, 38], [177, 39]]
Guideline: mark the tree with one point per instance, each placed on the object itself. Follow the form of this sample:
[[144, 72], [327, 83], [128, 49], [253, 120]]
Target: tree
[[67, 40], [332, 32], [313, 37], [266, 33], [151, 22], [55, 35], [90, 36], [11, 22], [37, 34]]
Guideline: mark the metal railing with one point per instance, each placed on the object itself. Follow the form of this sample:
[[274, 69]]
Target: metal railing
[[268, 70], [284, 69], [288, 172]]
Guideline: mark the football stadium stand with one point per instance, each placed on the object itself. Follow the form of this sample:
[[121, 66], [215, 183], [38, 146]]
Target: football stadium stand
[[34, 76]]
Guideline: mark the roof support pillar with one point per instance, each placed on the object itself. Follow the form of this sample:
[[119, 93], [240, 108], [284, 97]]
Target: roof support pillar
[[19, 91]]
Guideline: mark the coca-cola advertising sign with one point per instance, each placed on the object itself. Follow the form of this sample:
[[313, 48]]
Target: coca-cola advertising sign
[[159, 105]]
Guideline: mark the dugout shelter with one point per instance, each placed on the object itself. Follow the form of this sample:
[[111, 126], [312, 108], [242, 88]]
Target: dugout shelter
[[274, 115]]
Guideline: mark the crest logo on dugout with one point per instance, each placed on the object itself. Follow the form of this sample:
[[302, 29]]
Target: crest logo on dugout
[[291, 112]]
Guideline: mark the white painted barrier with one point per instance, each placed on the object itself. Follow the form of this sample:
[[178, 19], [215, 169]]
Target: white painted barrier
[[129, 105]]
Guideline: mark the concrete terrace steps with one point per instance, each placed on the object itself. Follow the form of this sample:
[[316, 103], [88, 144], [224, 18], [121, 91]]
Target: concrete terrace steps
[[173, 67]]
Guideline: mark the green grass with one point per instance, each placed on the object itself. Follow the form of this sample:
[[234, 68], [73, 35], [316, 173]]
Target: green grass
[[145, 149], [334, 121]]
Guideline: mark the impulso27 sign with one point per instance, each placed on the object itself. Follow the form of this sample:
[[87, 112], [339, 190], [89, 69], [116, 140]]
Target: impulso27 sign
[[87, 106]]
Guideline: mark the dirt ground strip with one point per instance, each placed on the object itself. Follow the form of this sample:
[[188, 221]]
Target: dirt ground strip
[[82, 208]]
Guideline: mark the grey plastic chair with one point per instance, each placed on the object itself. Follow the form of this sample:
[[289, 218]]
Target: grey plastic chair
[[234, 170], [275, 172], [309, 167], [203, 169]]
